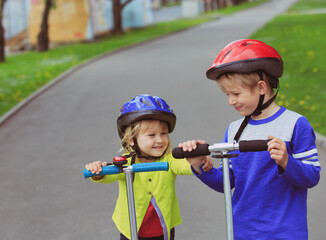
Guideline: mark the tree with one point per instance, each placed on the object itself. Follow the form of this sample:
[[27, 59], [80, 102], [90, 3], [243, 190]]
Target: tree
[[43, 36], [2, 33], [221, 4], [237, 2], [117, 16]]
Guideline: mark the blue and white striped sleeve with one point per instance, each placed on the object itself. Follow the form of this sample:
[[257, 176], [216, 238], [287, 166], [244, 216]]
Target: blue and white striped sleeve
[[303, 169]]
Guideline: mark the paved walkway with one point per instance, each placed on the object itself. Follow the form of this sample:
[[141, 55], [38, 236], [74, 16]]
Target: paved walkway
[[45, 145]]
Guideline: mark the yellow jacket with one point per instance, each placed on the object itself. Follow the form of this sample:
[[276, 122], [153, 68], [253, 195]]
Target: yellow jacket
[[159, 185]]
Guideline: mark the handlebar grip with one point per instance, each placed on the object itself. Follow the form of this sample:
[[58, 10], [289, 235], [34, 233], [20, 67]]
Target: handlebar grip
[[253, 145], [201, 150], [152, 166], [106, 170], [139, 167]]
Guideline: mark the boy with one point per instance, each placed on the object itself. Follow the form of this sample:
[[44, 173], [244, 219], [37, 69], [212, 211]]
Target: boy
[[270, 195]]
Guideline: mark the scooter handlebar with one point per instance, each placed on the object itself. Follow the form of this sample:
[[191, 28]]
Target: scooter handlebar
[[150, 167], [201, 150], [139, 167], [205, 149], [253, 145]]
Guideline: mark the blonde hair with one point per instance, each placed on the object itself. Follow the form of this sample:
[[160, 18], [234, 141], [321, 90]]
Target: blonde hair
[[248, 80], [132, 131]]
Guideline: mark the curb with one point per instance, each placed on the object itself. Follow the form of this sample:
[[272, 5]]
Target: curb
[[321, 140]]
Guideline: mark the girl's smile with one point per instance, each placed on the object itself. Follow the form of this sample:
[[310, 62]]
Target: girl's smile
[[153, 140]]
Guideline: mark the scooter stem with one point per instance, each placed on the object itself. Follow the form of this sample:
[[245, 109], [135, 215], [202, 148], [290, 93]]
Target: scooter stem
[[227, 196], [131, 203]]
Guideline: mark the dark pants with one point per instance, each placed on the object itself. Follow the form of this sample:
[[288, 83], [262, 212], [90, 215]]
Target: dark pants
[[122, 237]]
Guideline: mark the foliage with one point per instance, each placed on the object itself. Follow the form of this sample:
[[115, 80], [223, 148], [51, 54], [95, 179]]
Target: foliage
[[232, 9], [308, 4]]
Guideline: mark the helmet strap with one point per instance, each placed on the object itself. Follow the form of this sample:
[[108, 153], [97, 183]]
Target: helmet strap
[[242, 127], [257, 112]]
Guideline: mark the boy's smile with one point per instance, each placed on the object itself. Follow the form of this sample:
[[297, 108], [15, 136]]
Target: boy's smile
[[243, 99]]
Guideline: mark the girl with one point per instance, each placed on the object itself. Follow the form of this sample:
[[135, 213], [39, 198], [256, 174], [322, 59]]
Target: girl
[[143, 125]]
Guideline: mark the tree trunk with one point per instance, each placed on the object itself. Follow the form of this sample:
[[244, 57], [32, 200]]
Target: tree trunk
[[237, 2], [164, 2], [43, 36], [117, 16], [2, 33], [214, 5], [221, 4]]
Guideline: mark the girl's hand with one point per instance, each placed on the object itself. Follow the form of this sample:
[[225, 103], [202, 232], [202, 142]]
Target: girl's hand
[[96, 168], [207, 164], [195, 162], [278, 152]]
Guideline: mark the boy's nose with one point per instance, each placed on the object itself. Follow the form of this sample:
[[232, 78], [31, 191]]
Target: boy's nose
[[231, 100]]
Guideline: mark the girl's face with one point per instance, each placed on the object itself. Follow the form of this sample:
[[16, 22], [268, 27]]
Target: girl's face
[[153, 139], [243, 98]]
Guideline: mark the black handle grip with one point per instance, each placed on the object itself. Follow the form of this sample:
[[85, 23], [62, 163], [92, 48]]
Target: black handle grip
[[201, 150], [253, 145]]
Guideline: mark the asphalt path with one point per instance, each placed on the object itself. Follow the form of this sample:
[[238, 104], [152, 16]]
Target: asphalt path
[[45, 145]]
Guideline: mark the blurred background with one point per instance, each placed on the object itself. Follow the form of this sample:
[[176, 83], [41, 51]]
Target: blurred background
[[67, 66]]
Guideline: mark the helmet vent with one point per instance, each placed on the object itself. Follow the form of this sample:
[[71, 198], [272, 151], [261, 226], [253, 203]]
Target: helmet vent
[[145, 102], [227, 54], [159, 104], [245, 44]]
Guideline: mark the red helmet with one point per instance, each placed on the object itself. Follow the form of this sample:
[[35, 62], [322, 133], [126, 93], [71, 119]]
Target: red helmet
[[245, 56]]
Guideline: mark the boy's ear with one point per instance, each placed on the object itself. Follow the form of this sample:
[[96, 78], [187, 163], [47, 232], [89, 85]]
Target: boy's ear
[[262, 87]]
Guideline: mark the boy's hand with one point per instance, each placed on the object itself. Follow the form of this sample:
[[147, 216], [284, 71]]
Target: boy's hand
[[278, 152], [196, 162], [96, 167]]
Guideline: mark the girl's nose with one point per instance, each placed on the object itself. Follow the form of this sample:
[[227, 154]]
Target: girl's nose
[[159, 138]]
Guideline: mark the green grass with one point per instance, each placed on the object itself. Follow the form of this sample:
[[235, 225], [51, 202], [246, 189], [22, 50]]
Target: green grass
[[308, 4], [233, 9], [300, 39]]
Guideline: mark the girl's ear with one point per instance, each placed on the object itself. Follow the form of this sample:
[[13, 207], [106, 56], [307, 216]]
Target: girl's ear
[[131, 142], [262, 87]]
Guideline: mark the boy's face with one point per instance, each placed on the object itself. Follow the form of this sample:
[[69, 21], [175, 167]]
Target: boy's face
[[153, 139], [243, 98]]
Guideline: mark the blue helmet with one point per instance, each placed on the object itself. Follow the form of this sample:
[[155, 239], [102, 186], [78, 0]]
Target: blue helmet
[[145, 107]]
